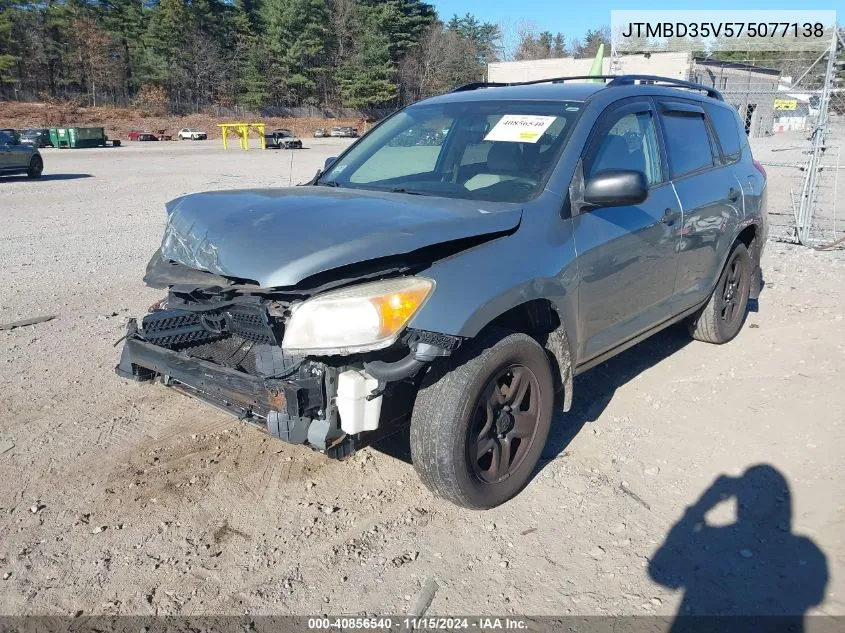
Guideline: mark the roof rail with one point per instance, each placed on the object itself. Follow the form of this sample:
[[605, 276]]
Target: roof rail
[[630, 80], [551, 80], [615, 80], [479, 84]]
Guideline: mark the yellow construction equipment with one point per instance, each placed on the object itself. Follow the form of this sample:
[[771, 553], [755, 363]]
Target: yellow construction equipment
[[242, 131]]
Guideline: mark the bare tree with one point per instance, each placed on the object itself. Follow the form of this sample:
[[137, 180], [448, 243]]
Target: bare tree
[[98, 62]]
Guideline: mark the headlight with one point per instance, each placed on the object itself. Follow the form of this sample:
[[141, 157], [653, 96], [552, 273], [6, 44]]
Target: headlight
[[361, 318]]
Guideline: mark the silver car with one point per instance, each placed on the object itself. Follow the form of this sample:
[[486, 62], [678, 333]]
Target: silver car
[[16, 158]]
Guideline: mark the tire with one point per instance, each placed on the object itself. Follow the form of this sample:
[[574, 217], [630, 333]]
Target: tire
[[458, 437], [36, 166], [724, 315]]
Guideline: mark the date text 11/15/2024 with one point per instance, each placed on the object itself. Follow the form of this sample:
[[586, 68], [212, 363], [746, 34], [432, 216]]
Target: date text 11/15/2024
[[419, 623]]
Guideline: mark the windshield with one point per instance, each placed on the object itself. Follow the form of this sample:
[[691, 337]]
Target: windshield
[[496, 151]]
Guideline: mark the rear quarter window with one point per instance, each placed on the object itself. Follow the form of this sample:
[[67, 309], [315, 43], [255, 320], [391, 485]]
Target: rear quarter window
[[727, 131], [687, 142]]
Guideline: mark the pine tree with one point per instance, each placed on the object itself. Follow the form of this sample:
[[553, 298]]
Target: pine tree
[[126, 21], [8, 56], [250, 89], [367, 79], [164, 38]]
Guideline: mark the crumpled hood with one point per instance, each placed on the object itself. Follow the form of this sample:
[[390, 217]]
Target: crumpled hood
[[278, 237]]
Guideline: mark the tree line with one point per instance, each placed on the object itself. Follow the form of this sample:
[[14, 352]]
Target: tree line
[[250, 53], [190, 54]]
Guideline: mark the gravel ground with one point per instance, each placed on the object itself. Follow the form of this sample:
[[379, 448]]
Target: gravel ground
[[119, 498]]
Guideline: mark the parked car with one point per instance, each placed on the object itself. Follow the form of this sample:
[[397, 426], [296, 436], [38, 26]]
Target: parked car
[[282, 139], [135, 135], [320, 133], [36, 137], [344, 132], [17, 158], [187, 134], [461, 285]]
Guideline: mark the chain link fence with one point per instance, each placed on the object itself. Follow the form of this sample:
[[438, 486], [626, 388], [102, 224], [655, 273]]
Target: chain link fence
[[797, 131]]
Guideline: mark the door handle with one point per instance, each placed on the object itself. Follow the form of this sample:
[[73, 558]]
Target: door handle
[[733, 195]]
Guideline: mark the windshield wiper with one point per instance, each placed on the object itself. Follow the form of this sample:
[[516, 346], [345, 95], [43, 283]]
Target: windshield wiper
[[329, 183], [408, 191]]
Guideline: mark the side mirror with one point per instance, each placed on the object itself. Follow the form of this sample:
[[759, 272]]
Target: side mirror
[[616, 188], [329, 162]]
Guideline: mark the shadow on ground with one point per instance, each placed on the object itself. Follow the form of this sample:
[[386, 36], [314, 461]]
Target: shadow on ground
[[753, 569], [593, 391], [25, 178]]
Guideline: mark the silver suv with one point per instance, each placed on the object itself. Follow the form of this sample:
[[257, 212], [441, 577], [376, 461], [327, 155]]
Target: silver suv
[[458, 266], [16, 158]]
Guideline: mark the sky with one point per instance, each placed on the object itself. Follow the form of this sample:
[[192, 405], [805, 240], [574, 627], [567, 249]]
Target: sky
[[574, 18]]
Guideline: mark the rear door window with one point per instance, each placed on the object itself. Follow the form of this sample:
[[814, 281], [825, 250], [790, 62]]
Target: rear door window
[[687, 142], [727, 131]]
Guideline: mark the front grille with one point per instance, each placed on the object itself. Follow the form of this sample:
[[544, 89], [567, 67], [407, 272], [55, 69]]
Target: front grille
[[252, 324], [174, 328], [170, 328], [236, 352], [230, 351], [240, 337]]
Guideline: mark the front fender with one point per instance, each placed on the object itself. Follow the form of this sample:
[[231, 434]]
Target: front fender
[[475, 286]]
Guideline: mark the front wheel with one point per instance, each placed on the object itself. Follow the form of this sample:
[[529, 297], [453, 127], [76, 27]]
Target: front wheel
[[36, 166], [723, 316], [481, 419]]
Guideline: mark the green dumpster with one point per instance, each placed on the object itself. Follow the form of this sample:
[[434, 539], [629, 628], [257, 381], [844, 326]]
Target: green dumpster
[[76, 137]]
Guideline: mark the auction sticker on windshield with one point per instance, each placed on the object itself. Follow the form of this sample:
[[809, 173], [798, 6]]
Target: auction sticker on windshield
[[520, 128]]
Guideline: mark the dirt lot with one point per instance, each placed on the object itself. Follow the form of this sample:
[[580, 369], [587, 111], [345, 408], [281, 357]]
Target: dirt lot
[[118, 498]]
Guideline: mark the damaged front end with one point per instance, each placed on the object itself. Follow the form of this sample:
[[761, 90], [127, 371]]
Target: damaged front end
[[292, 308], [226, 347]]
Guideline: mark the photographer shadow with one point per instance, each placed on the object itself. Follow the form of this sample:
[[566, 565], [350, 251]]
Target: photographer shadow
[[754, 570]]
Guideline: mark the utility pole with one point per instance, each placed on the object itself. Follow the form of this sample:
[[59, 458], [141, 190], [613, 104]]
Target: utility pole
[[615, 66]]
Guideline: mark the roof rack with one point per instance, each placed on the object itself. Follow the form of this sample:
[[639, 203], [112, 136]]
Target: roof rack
[[552, 80], [630, 80], [615, 80]]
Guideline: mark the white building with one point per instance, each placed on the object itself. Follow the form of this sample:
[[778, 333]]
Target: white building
[[750, 89]]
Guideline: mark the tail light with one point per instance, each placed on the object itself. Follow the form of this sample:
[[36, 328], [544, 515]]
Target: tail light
[[760, 168]]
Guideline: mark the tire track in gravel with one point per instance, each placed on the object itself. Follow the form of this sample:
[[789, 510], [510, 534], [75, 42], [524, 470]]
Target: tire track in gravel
[[149, 420]]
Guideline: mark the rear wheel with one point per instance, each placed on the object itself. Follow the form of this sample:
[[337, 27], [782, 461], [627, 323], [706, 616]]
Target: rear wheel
[[723, 316], [481, 419], [36, 166]]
